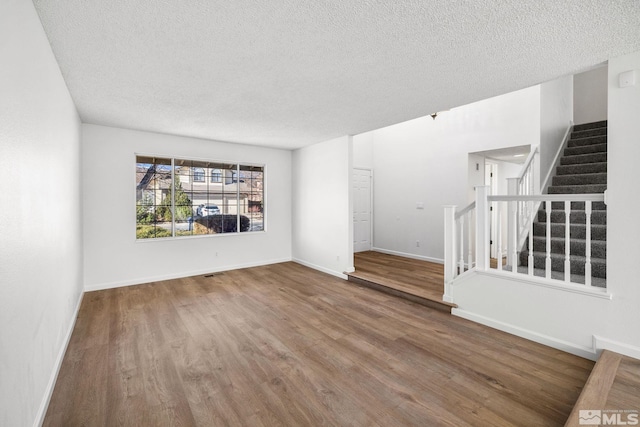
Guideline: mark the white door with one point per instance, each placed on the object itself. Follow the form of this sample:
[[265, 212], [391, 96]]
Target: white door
[[361, 210]]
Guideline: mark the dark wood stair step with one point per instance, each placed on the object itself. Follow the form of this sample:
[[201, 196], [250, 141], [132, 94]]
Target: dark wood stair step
[[399, 289]]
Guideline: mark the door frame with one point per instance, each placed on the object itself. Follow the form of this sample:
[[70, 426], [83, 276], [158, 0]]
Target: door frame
[[371, 203]]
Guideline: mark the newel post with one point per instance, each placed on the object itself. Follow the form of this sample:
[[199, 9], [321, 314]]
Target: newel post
[[482, 227], [449, 251], [512, 190]]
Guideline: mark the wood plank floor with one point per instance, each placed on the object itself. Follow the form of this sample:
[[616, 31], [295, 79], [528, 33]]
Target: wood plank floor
[[287, 345], [415, 277], [612, 388]]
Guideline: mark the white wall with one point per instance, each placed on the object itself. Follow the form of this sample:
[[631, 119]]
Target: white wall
[[363, 150], [426, 160], [569, 320], [623, 204], [590, 96], [322, 206], [113, 257], [556, 113], [40, 219]]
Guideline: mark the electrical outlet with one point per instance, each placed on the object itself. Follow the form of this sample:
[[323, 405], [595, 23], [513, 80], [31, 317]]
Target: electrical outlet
[[417, 243]]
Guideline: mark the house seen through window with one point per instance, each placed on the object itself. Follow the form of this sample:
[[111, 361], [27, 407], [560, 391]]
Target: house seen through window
[[174, 198]]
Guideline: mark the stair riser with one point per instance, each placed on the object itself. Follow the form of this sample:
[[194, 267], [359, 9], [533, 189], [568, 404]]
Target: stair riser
[[588, 132], [587, 126], [598, 267], [585, 149], [580, 142], [598, 247], [582, 179], [575, 231], [579, 217], [577, 189], [585, 158], [581, 168]]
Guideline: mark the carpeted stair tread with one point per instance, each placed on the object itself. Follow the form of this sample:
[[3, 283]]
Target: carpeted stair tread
[[579, 206], [577, 189], [580, 179], [589, 140], [584, 158], [577, 246], [583, 168], [588, 132], [576, 231], [598, 265], [593, 125], [575, 217], [557, 275], [585, 149]]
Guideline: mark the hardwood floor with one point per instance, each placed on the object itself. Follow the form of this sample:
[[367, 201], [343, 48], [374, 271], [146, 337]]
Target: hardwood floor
[[415, 277], [613, 387], [287, 345]]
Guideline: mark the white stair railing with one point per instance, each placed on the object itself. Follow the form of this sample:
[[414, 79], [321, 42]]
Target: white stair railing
[[472, 225], [460, 229], [526, 184]]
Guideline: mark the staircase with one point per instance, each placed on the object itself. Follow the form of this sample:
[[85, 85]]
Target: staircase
[[582, 170]]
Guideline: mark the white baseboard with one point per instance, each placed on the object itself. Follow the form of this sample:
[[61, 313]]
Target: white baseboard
[[407, 255], [139, 281], [44, 405], [600, 343], [586, 352], [320, 268]]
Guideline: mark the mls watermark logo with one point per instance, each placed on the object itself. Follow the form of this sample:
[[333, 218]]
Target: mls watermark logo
[[608, 417], [590, 417]]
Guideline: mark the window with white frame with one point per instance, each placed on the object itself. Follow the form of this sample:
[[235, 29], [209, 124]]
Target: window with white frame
[[173, 198]]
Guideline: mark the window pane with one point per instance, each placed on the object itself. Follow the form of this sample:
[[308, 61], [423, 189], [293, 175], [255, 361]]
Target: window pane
[[203, 198], [153, 185], [216, 175], [251, 185]]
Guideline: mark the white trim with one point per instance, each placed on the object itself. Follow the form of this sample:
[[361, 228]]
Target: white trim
[[556, 160], [44, 405], [407, 255], [323, 269], [141, 280], [600, 343], [575, 288], [586, 352]]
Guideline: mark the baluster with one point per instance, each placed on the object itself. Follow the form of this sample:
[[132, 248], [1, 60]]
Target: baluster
[[499, 234], [587, 265], [514, 234], [469, 241], [547, 265], [567, 241], [531, 259], [461, 263]]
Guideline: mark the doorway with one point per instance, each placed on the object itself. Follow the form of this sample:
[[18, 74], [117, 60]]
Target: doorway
[[491, 179], [362, 210]]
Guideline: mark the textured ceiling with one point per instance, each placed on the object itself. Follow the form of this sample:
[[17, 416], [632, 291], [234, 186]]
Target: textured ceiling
[[288, 73]]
